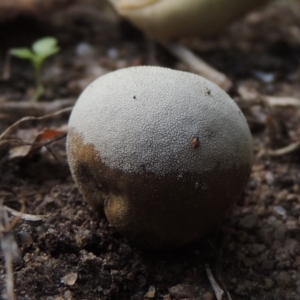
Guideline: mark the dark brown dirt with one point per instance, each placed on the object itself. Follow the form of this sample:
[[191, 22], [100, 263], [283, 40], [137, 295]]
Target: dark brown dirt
[[73, 253]]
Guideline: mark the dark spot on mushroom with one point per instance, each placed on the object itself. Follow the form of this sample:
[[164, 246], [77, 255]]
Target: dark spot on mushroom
[[134, 97], [208, 92], [195, 142]]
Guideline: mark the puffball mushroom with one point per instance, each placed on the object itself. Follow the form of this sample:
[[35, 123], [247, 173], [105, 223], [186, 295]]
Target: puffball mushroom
[[165, 152], [168, 19]]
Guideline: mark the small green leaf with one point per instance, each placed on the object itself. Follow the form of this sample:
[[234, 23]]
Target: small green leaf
[[51, 52], [23, 53], [45, 47], [42, 49]]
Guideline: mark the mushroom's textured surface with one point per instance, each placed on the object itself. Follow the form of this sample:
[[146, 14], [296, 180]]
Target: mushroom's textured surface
[[166, 152], [166, 19]]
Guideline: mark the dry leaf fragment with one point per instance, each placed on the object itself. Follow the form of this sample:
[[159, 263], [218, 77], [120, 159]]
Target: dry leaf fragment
[[4, 136], [44, 138], [151, 292]]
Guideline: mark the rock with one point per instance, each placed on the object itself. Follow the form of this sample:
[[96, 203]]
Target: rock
[[257, 248], [249, 221], [151, 292], [279, 210], [181, 291]]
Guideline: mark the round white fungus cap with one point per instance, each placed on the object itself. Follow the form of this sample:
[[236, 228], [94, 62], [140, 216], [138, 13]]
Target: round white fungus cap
[[145, 118]]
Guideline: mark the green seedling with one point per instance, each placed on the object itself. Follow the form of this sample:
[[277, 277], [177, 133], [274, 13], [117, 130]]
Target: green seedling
[[41, 49]]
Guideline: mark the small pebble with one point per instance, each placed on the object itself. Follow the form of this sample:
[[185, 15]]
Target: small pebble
[[68, 295], [283, 265], [264, 77], [257, 248], [279, 210], [269, 178], [280, 231], [282, 195], [121, 63], [268, 283], [113, 53], [26, 238], [84, 50], [292, 197], [208, 296], [27, 257], [41, 229], [283, 279], [95, 71], [137, 296], [151, 292], [70, 278], [181, 291], [272, 220], [291, 225], [267, 264], [249, 221], [291, 246]]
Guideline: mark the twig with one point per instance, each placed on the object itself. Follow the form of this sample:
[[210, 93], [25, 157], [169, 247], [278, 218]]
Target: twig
[[49, 149], [6, 67], [7, 189], [285, 150], [282, 101], [25, 217], [216, 244], [253, 97], [25, 119], [34, 108], [218, 291], [15, 220], [19, 142], [198, 65], [10, 252]]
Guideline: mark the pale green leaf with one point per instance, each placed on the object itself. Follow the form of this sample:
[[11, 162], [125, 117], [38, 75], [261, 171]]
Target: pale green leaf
[[45, 47], [23, 53]]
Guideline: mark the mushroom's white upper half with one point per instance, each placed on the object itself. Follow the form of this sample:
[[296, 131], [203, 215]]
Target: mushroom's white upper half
[[144, 118]]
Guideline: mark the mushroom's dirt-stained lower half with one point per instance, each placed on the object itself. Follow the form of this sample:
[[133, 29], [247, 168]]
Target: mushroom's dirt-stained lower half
[[155, 212]]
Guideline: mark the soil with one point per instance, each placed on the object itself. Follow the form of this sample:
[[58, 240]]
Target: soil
[[68, 251]]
